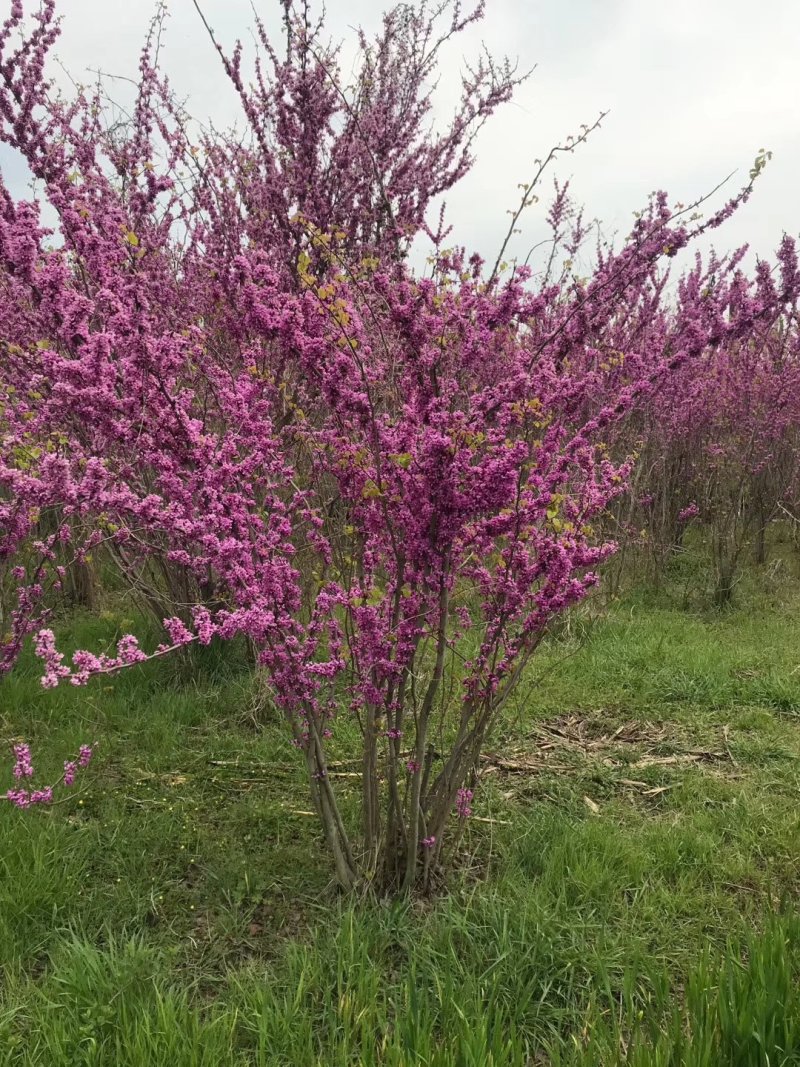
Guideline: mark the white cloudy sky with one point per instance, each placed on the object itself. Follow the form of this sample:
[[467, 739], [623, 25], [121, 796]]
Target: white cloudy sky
[[694, 87]]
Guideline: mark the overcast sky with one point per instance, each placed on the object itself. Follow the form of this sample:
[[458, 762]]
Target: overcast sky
[[694, 88]]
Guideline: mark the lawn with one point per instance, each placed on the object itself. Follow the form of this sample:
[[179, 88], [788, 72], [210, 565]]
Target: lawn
[[626, 891]]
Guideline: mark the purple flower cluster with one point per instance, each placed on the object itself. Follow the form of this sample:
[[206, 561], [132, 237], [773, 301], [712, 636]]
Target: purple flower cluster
[[23, 768], [691, 511], [463, 803]]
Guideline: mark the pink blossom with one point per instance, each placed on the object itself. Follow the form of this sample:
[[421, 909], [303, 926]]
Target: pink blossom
[[691, 511], [23, 768], [463, 802]]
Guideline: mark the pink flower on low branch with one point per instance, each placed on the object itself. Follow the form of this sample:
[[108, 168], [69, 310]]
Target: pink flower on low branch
[[86, 664], [23, 768], [21, 798]]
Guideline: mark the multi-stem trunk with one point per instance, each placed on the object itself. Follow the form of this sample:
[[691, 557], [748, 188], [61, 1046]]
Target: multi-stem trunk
[[416, 831]]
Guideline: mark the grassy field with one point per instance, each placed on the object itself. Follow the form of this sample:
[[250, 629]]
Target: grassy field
[[626, 895]]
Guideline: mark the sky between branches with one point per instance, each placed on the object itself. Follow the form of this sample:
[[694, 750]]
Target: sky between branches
[[694, 88]]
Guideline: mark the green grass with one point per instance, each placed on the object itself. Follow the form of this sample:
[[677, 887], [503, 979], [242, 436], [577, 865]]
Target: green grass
[[628, 900]]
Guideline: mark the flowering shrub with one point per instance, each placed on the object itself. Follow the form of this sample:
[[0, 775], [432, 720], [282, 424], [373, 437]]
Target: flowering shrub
[[720, 438], [223, 371]]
